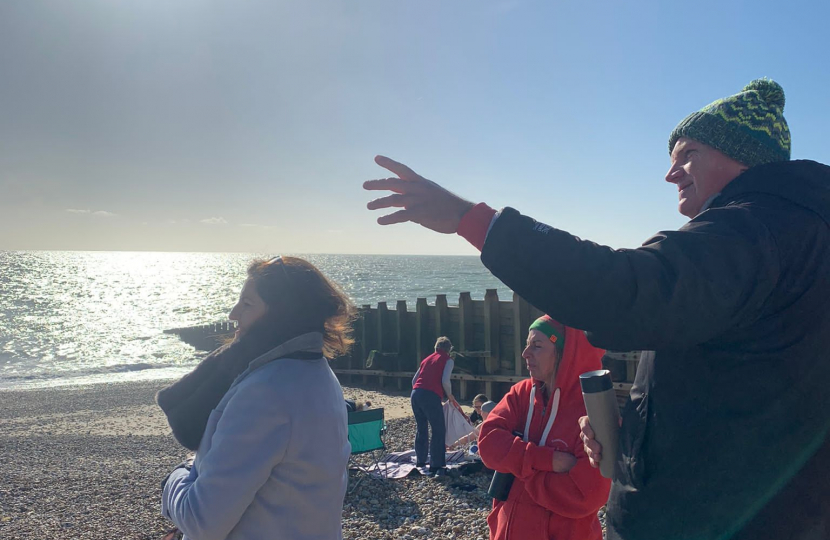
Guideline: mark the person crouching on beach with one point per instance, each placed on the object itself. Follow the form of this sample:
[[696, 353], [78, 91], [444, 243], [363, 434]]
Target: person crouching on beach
[[485, 408], [430, 383], [556, 493], [265, 414], [478, 401]]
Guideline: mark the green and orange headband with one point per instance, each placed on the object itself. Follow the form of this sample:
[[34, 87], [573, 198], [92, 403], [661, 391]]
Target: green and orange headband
[[551, 328]]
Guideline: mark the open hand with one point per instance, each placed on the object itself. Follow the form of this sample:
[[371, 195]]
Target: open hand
[[422, 201]]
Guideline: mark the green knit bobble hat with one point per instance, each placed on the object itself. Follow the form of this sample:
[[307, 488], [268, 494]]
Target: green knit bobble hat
[[749, 127]]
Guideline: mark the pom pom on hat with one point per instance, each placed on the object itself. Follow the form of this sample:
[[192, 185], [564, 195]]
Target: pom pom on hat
[[769, 91]]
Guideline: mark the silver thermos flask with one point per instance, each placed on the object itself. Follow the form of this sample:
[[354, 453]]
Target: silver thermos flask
[[604, 415]]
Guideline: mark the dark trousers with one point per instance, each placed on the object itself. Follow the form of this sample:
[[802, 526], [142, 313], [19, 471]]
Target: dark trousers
[[429, 414]]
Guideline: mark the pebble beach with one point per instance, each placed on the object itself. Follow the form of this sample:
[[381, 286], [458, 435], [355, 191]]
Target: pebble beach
[[86, 462]]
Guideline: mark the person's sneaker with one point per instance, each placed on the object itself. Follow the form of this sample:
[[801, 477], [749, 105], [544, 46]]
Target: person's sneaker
[[420, 465], [439, 474]]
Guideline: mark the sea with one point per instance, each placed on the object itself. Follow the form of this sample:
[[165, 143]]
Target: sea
[[69, 317]]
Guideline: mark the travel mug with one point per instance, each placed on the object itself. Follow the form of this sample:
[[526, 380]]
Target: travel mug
[[604, 415]]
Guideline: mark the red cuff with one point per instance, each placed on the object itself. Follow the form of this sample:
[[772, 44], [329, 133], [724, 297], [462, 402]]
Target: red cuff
[[475, 223], [540, 458]]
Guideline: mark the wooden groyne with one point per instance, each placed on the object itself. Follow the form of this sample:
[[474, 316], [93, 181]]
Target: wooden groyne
[[488, 337], [206, 337]]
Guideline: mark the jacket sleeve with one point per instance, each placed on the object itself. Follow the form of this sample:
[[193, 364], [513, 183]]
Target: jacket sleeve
[[680, 288], [251, 438], [504, 452], [578, 493]]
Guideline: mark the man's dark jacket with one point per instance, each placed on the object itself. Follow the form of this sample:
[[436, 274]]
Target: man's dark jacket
[[724, 432]]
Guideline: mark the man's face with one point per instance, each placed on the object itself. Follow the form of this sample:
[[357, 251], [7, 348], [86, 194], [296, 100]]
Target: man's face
[[699, 171]]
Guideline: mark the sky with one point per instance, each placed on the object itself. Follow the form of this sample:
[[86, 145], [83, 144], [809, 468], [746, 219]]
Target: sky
[[249, 126]]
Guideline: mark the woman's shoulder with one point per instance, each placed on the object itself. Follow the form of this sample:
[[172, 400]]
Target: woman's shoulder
[[290, 376], [291, 366], [521, 390], [285, 385]]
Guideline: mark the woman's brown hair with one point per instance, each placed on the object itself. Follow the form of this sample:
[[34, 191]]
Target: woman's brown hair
[[301, 299]]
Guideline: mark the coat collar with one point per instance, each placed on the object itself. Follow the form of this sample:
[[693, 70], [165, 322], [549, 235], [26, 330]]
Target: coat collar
[[312, 342]]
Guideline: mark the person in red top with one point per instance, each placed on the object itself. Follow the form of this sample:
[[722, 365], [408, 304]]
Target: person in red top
[[556, 493], [430, 383]]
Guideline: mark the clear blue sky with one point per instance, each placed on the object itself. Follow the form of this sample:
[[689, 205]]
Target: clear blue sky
[[250, 126]]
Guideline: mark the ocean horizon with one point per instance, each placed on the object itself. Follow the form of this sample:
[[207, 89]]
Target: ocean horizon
[[83, 317]]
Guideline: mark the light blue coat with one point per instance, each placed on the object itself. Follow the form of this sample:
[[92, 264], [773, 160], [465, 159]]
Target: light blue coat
[[272, 463]]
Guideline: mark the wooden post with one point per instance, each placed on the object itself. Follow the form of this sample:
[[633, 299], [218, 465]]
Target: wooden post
[[488, 389], [521, 322], [401, 338], [421, 330], [383, 336], [465, 322], [359, 351], [465, 334], [370, 335], [491, 330], [442, 315]]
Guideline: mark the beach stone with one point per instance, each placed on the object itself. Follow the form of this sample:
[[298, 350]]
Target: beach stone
[[97, 475]]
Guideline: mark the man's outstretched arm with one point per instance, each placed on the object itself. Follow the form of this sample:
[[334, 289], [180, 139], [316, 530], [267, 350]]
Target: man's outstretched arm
[[680, 288]]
